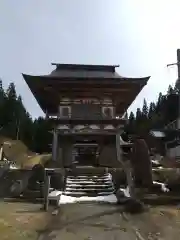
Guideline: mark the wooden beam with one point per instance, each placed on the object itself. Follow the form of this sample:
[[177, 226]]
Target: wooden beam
[[92, 81], [54, 97], [86, 89]]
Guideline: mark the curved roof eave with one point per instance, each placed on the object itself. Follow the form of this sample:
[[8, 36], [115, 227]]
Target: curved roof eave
[[32, 77]]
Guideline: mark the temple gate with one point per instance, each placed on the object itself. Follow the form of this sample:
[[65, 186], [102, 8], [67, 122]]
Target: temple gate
[[86, 105]]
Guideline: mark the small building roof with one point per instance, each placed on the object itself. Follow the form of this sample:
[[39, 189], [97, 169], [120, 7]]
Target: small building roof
[[83, 81], [82, 71], [157, 134]]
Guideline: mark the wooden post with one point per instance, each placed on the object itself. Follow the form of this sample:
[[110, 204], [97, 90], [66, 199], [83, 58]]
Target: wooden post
[[126, 168], [55, 145], [47, 179], [1, 153]]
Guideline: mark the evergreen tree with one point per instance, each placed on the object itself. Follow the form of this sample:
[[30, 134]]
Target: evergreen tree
[[152, 108], [2, 107], [16, 123], [177, 86], [138, 114], [145, 109], [170, 90], [159, 103], [10, 112], [130, 127], [131, 117], [42, 138]]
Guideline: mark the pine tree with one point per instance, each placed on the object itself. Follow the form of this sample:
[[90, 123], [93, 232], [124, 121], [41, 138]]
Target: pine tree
[[159, 102], [138, 114], [10, 112], [177, 86], [24, 130], [170, 90], [42, 136], [130, 128], [152, 108], [145, 109], [2, 106]]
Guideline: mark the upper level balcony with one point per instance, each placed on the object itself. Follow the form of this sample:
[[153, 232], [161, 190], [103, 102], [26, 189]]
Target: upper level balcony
[[86, 112]]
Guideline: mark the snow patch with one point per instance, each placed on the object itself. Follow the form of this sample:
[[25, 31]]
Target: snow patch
[[54, 195], [68, 199], [156, 162], [126, 191], [163, 186], [13, 167], [79, 181]]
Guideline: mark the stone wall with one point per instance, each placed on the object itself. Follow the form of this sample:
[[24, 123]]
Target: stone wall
[[118, 177], [141, 163]]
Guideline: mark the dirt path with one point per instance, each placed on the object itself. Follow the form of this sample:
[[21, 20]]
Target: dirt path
[[89, 221], [99, 221], [159, 223], [25, 221], [22, 221]]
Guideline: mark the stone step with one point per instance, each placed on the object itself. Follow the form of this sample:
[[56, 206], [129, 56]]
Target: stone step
[[86, 183], [80, 194], [89, 176], [89, 189], [89, 185], [94, 179], [89, 179]]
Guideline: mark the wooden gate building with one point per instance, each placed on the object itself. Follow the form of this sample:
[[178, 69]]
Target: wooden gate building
[[86, 105]]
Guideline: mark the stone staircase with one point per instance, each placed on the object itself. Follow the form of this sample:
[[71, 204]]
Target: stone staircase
[[89, 184]]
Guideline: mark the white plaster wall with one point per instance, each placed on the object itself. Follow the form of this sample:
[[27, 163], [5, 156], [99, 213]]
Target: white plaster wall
[[108, 127], [63, 127], [173, 152]]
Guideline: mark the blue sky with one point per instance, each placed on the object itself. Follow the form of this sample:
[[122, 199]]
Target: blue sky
[[140, 35]]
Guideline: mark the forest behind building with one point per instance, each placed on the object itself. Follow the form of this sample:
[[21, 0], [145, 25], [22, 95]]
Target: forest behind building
[[17, 123]]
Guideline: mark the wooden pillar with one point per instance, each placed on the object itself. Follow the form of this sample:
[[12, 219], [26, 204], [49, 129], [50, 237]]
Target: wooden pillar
[[1, 153], [55, 145], [47, 179], [126, 168], [67, 152]]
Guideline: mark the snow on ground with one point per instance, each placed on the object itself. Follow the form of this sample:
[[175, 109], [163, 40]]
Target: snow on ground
[[156, 162], [163, 186], [68, 199], [13, 167], [126, 191], [84, 182]]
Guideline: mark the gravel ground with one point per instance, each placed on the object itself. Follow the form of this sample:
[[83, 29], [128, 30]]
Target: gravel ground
[[100, 221], [25, 221], [159, 223], [88, 221], [22, 221]]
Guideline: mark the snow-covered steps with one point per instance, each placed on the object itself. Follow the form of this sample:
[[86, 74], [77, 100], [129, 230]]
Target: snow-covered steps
[[89, 185], [89, 181], [104, 176]]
